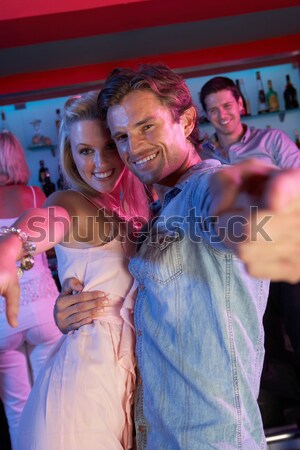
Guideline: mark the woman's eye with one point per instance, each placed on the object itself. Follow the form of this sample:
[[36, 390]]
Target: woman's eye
[[86, 151], [111, 146]]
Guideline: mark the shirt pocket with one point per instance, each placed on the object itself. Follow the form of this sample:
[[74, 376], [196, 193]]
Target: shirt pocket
[[162, 256]]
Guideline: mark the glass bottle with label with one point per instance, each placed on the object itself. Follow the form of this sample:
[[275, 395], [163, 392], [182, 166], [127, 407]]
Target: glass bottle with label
[[48, 187], [262, 101], [272, 98], [42, 172], [290, 95]]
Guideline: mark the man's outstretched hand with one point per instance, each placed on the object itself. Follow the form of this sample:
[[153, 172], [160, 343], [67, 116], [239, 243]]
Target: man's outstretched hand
[[271, 248]]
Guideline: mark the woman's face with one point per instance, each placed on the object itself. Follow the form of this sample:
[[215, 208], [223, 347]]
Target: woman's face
[[95, 155]]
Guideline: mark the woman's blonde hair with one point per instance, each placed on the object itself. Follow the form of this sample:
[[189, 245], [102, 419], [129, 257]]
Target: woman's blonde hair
[[133, 203], [13, 165]]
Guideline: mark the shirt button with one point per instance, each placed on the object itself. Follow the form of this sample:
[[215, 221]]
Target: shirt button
[[141, 429], [139, 333], [142, 287]]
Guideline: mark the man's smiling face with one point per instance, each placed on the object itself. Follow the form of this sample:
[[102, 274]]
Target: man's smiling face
[[151, 144], [223, 111]]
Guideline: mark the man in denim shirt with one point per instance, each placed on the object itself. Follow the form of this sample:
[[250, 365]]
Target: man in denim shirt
[[198, 313]]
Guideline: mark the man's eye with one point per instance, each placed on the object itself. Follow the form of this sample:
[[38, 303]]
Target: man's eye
[[121, 138], [147, 127], [212, 111]]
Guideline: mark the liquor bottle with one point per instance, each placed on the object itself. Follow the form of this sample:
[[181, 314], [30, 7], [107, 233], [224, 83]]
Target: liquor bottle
[[290, 95], [42, 172], [272, 98], [57, 119], [245, 97], [297, 139], [243, 111], [262, 102], [48, 186], [60, 182], [4, 125]]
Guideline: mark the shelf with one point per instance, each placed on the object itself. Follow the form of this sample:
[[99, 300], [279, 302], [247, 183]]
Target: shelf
[[281, 114], [51, 147]]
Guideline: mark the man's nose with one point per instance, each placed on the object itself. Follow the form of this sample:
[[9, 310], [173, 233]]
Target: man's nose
[[222, 113], [134, 143]]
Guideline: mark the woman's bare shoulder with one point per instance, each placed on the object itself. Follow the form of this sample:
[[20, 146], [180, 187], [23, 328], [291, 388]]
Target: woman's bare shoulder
[[71, 200], [89, 224]]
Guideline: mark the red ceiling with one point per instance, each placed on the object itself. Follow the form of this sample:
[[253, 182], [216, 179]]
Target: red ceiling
[[24, 22], [31, 23]]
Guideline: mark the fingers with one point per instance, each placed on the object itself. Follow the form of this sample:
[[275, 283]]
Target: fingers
[[71, 284], [76, 320], [12, 305], [273, 251], [283, 190], [76, 325], [71, 310], [275, 270], [239, 186], [79, 301]]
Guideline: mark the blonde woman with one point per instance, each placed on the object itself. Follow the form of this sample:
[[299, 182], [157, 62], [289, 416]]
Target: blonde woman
[[84, 396]]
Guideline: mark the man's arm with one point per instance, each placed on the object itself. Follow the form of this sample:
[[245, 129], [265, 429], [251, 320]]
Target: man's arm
[[286, 153]]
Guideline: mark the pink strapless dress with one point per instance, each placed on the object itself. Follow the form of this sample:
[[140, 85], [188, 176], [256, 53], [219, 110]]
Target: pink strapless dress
[[83, 397]]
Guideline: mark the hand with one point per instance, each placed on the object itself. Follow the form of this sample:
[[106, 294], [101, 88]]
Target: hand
[[9, 280], [279, 257], [73, 310], [240, 186], [10, 289], [272, 250]]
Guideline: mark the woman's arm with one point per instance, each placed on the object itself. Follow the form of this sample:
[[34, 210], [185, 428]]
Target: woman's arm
[[46, 227]]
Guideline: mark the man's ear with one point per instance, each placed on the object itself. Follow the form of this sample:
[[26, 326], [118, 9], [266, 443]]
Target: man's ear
[[188, 120], [241, 106]]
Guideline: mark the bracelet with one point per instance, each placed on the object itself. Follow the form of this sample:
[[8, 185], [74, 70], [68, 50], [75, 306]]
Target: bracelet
[[29, 247]]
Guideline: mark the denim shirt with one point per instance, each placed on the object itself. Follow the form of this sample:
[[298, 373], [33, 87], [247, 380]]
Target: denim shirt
[[198, 318]]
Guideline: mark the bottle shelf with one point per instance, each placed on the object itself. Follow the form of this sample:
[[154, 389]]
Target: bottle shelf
[[36, 147], [281, 114]]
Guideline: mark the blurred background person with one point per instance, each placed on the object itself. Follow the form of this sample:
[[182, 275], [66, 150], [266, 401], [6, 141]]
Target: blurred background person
[[24, 349]]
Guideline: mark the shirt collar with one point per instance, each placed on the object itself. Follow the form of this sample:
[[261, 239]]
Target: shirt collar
[[247, 133], [213, 141], [181, 183]]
